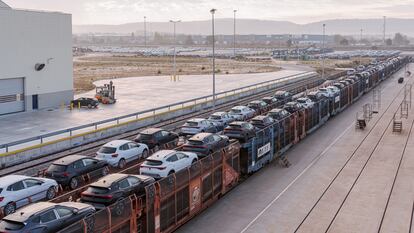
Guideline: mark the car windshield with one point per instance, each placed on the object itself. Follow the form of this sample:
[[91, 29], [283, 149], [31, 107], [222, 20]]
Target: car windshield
[[257, 122], [144, 136], [236, 126], [11, 225], [235, 111], [97, 190], [195, 142], [191, 124], [301, 100], [215, 118], [107, 150], [57, 168], [151, 162]]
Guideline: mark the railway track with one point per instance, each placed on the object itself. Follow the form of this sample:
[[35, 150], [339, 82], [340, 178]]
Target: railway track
[[34, 166], [347, 162]]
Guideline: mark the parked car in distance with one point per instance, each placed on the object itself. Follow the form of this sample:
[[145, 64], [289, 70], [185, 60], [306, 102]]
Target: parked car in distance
[[262, 122], [85, 102], [198, 125], [283, 96], [204, 144], [278, 114], [259, 106], [222, 118], [68, 170], [350, 72], [166, 162], [17, 191], [305, 102], [292, 107], [326, 92], [120, 152], [47, 217], [240, 130], [360, 68], [114, 187], [155, 138], [271, 101], [242, 113]]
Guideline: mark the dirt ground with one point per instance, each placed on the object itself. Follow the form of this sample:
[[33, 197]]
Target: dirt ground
[[93, 67]]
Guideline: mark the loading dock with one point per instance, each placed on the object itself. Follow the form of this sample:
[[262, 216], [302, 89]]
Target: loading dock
[[12, 95]]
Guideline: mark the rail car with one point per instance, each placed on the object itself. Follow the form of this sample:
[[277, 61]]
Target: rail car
[[176, 199]]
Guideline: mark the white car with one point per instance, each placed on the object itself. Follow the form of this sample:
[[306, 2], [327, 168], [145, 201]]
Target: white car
[[350, 72], [198, 125], [333, 89], [119, 152], [242, 113], [17, 191], [222, 118], [305, 102], [166, 162], [326, 92]]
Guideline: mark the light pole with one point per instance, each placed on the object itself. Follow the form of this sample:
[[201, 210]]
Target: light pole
[[212, 11], [175, 43], [234, 34], [323, 52], [361, 35], [145, 31]]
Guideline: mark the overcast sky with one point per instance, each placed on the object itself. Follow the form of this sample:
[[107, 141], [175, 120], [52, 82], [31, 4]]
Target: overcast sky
[[299, 11]]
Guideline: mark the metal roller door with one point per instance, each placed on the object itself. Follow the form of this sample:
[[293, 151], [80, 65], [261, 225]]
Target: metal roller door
[[11, 95]]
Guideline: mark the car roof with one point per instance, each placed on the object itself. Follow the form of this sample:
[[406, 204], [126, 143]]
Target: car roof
[[25, 213], [256, 102], [11, 179], [161, 154], [260, 117], [303, 98], [219, 113], [150, 130], [237, 123], [276, 110], [200, 136], [280, 92], [239, 107], [116, 143], [196, 120], [69, 159], [107, 181]]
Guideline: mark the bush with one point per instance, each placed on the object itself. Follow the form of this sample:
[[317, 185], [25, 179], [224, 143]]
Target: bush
[[180, 70], [159, 72], [203, 68]]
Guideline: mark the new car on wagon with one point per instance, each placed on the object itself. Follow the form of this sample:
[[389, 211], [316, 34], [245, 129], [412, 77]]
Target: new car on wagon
[[68, 171], [156, 138], [204, 144], [17, 191], [47, 217], [120, 152]]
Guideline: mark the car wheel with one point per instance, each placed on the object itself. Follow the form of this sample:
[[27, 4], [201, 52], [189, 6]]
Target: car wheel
[[194, 161], [89, 106], [145, 154], [9, 208], [171, 172], [51, 193], [121, 163], [73, 184]]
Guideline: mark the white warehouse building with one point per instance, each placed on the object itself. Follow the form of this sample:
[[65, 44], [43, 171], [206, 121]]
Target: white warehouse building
[[36, 69]]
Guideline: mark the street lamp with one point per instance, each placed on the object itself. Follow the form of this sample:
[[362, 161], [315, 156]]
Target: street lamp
[[212, 11], [145, 31], [234, 34], [361, 35], [175, 43], [323, 52]]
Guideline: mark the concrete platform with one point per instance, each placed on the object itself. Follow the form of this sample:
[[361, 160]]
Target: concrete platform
[[341, 180], [134, 95]]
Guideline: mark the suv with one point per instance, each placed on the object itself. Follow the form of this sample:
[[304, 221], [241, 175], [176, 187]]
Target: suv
[[315, 96], [48, 217], [85, 102], [114, 187], [258, 106], [17, 190], [120, 152], [166, 162], [240, 130], [198, 125], [242, 113], [271, 101], [292, 107], [283, 96], [221, 118], [305, 102], [278, 114], [262, 122], [206, 143], [68, 171], [155, 138]]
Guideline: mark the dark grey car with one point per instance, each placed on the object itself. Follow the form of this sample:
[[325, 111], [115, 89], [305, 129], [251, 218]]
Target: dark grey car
[[204, 144], [47, 217]]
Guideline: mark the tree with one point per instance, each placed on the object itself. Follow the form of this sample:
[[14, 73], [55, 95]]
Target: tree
[[400, 39], [337, 39], [344, 42], [388, 42]]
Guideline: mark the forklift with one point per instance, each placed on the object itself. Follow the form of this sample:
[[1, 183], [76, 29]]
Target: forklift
[[106, 94]]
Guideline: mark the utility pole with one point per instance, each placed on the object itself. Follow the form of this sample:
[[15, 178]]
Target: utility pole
[[145, 31], [234, 34], [323, 52], [361, 34], [175, 43], [383, 32], [212, 11]]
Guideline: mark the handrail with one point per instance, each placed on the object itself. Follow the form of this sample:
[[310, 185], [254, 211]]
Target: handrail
[[153, 111]]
